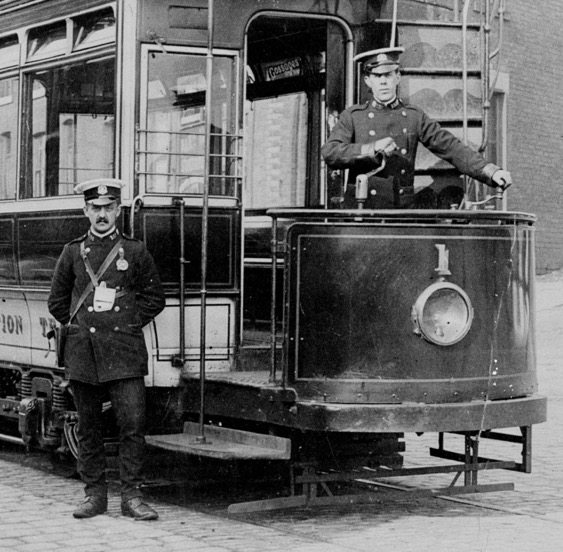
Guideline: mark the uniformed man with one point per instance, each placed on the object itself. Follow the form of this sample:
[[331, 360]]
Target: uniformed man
[[385, 131], [105, 289]]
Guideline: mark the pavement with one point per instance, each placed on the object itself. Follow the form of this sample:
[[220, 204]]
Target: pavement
[[36, 506]]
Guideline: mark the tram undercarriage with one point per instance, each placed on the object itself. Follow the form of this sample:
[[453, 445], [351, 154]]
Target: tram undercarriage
[[324, 445]]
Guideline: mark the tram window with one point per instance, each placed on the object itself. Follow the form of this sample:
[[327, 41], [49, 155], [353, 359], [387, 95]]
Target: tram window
[[9, 51], [496, 144], [175, 125], [8, 133], [277, 128], [295, 77], [48, 41], [94, 29], [41, 240], [68, 130], [7, 264]]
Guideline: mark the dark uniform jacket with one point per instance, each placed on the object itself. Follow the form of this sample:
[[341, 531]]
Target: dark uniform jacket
[[408, 125], [108, 345]]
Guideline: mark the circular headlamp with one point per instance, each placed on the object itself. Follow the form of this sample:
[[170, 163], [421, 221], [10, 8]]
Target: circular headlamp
[[442, 314]]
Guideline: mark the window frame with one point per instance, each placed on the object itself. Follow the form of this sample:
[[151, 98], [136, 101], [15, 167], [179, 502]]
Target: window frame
[[25, 65], [26, 187], [146, 51], [15, 136]]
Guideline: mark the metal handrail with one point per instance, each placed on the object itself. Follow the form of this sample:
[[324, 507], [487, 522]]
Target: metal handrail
[[183, 154], [230, 162], [401, 215], [177, 174], [183, 132], [205, 220], [180, 360]]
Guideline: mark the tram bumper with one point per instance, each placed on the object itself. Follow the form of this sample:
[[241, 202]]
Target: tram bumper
[[415, 417]]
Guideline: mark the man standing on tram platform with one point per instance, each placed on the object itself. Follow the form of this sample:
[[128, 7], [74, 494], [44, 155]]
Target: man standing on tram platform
[[385, 131], [105, 289]]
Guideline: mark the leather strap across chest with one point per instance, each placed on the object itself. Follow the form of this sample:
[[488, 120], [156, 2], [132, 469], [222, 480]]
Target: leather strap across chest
[[95, 277], [104, 266]]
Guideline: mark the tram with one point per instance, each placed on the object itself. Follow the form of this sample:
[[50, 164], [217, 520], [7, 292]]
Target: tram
[[320, 334]]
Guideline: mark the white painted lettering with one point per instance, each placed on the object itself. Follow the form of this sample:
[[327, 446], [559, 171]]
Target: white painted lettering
[[443, 260]]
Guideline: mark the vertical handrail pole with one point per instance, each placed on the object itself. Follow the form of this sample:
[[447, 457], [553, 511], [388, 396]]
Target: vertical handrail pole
[[486, 75], [180, 360], [182, 357], [205, 217], [465, 138], [274, 252], [393, 25], [464, 68]]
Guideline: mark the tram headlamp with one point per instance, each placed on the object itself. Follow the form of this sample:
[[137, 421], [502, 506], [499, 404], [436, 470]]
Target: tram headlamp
[[442, 314]]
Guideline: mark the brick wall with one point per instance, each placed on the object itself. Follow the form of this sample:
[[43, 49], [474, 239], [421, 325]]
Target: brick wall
[[532, 55]]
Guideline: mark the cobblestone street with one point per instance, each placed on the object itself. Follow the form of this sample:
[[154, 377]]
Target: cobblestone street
[[37, 506]]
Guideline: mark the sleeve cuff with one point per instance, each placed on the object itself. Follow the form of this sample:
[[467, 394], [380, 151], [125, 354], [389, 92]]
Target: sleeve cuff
[[488, 172], [367, 150]]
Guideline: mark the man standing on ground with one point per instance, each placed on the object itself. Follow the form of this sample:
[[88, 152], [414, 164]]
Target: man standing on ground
[[104, 290]]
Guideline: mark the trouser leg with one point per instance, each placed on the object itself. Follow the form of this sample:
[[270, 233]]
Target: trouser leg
[[128, 401], [91, 453]]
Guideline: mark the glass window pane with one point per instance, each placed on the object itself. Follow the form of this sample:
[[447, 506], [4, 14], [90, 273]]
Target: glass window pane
[[94, 29], [276, 162], [437, 48], [7, 264], [175, 126], [41, 240], [47, 41], [295, 89], [9, 51], [8, 133], [69, 130], [442, 97]]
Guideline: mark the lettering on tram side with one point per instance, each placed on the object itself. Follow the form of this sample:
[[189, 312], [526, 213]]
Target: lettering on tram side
[[11, 324], [47, 324]]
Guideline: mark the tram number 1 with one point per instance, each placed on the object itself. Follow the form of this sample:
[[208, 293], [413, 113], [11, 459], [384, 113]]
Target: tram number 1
[[443, 268]]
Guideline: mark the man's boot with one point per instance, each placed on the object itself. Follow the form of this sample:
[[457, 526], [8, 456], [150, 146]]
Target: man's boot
[[92, 506], [136, 508]]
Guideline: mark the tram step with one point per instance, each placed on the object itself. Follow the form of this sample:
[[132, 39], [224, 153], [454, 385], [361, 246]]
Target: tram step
[[224, 443]]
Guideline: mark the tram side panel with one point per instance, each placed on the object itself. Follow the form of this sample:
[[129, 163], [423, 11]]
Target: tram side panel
[[25, 320], [160, 229], [353, 293], [15, 328], [29, 375]]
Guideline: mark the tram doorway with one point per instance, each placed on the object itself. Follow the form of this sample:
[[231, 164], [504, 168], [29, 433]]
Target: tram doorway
[[295, 78]]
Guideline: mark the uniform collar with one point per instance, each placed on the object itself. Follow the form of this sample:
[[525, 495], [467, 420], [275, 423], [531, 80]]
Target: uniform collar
[[393, 104], [111, 235]]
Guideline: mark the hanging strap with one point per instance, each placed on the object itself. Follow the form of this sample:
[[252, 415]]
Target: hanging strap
[[95, 278]]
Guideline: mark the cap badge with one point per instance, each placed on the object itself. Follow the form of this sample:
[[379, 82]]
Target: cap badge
[[102, 189]]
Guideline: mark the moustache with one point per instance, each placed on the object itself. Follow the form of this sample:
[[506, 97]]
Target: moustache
[[102, 219]]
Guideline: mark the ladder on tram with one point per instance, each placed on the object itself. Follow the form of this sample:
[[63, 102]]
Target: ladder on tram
[[450, 70]]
